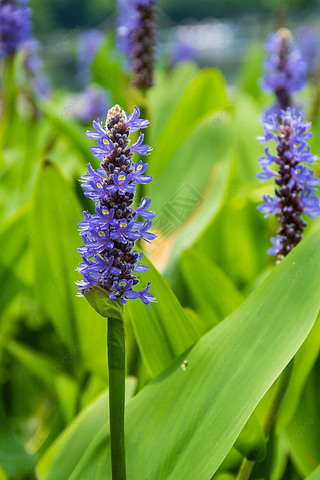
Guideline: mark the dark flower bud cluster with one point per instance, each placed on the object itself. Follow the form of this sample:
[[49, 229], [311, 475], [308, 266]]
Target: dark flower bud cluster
[[109, 258], [285, 69], [296, 186], [137, 38]]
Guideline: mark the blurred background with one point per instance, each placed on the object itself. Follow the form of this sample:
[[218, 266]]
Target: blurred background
[[213, 33]]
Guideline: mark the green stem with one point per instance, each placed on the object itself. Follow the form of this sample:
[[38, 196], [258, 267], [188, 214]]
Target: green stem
[[245, 469], [9, 96], [283, 382], [116, 360]]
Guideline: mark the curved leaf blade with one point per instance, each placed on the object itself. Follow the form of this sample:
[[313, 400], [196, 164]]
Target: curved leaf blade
[[185, 422]]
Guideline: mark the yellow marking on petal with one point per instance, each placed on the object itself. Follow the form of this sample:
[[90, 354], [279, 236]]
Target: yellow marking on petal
[[105, 211], [105, 141], [139, 167], [99, 185], [102, 234], [122, 284], [121, 177], [123, 224]]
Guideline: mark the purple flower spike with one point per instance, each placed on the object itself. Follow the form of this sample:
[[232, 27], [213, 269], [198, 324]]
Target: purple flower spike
[[296, 186], [285, 69], [109, 235], [137, 38], [15, 26]]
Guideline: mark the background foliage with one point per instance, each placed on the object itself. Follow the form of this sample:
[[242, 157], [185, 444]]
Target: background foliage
[[203, 363]]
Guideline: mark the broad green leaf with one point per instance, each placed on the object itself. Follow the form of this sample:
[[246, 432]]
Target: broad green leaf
[[244, 258], [67, 392], [205, 95], [14, 239], [165, 331], [55, 239], [252, 70], [166, 93], [3, 475], [211, 292], [184, 423], [195, 193], [251, 442], [76, 437], [193, 167], [304, 432], [248, 147], [107, 72], [303, 364], [14, 459], [315, 475], [37, 363]]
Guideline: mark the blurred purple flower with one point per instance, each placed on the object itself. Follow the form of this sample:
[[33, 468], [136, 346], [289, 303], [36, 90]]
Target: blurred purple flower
[[15, 25], [33, 66], [136, 38], [295, 194], [309, 44], [182, 51], [285, 69], [93, 102]]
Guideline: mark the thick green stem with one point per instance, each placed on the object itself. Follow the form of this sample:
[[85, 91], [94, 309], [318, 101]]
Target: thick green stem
[[9, 96], [245, 469], [283, 382], [116, 360]]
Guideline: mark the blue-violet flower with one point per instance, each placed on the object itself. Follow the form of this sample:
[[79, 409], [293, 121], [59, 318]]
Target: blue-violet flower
[[109, 235], [93, 102], [285, 69], [296, 186], [15, 25]]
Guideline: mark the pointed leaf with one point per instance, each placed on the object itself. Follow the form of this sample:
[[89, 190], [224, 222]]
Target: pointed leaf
[[185, 422]]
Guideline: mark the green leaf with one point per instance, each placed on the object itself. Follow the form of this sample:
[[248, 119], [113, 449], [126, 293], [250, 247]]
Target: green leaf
[[166, 93], [211, 293], [3, 475], [107, 71], [252, 70], [315, 475], [251, 442], [99, 299], [193, 200], [14, 459], [37, 363], [248, 147], [185, 422], [13, 242], [165, 331], [55, 239], [303, 363], [205, 95], [67, 391], [239, 218], [65, 453], [303, 432]]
